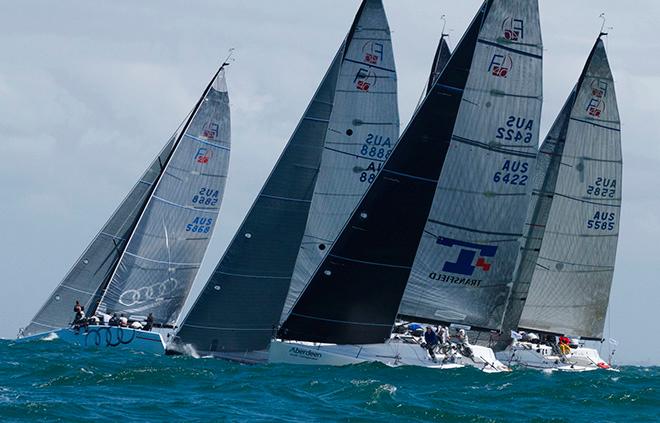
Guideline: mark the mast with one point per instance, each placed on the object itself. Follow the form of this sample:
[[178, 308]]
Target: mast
[[354, 294]]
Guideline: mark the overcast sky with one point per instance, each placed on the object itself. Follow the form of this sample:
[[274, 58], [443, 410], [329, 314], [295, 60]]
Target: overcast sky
[[90, 91]]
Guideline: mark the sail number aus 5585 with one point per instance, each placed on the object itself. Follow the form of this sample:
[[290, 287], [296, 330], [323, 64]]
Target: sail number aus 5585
[[603, 221]]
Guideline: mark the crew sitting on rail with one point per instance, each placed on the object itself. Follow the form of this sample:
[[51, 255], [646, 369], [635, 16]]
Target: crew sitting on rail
[[94, 320], [78, 307], [135, 325], [114, 320], [462, 337], [123, 321], [443, 334]]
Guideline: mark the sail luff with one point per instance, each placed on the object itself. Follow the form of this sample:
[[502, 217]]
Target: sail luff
[[169, 293], [354, 294], [442, 55]]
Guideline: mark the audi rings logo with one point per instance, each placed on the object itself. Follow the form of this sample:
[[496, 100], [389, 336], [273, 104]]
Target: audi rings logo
[[156, 291]]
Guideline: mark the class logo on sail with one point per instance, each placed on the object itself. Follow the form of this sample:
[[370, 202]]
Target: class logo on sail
[[203, 155], [513, 29], [500, 65], [210, 131], [364, 79], [373, 52], [470, 257], [596, 104]]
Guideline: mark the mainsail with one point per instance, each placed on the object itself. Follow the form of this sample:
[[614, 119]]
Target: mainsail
[[165, 249], [84, 280], [355, 292], [239, 308], [363, 131], [567, 263], [467, 254]]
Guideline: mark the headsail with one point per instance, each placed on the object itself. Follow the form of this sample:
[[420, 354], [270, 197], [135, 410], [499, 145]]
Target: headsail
[[467, 254], [567, 263], [362, 132], [442, 55], [91, 271], [164, 252], [354, 294], [240, 306]]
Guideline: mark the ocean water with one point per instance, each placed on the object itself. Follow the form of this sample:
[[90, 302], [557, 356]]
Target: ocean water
[[53, 381]]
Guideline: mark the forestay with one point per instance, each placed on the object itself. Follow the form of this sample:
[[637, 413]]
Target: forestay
[[568, 262], [361, 134], [353, 296], [164, 252], [467, 253], [91, 271]]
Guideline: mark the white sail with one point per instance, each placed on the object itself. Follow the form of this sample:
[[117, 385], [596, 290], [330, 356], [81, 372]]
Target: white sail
[[577, 224], [164, 252], [467, 254], [362, 132]]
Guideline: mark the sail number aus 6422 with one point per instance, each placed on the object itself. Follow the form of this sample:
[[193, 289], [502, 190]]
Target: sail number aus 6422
[[512, 172], [206, 197], [517, 129]]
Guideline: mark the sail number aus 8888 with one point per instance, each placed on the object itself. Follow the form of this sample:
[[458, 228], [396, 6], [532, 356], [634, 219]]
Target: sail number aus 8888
[[374, 147], [513, 172], [516, 129]]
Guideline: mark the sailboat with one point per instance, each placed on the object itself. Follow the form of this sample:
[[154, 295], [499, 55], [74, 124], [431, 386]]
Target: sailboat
[[143, 261], [347, 310], [467, 254], [347, 132], [566, 265]]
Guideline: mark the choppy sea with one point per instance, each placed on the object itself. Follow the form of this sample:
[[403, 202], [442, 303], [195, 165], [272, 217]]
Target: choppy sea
[[53, 381]]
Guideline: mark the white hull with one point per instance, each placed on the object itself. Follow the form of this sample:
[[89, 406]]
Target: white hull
[[542, 357], [106, 337], [392, 353]]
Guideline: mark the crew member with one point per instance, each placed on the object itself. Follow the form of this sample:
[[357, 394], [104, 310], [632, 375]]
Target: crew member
[[431, 340], [150, 322]]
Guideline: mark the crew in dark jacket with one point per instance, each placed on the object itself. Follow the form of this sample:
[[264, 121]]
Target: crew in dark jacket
[[431, 340]]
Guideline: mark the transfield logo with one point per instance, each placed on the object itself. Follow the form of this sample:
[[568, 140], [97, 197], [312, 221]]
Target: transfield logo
[[470, 256]]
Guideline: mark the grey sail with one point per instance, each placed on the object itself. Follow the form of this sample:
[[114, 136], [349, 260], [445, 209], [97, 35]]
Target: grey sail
[[362, 132], [163, 254], [566, 267], [242, 300], [467, 254], [88, 275]]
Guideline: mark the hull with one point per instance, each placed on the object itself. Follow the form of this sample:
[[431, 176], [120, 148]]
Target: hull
[[106, 337], [393, 353], [543, 357]]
